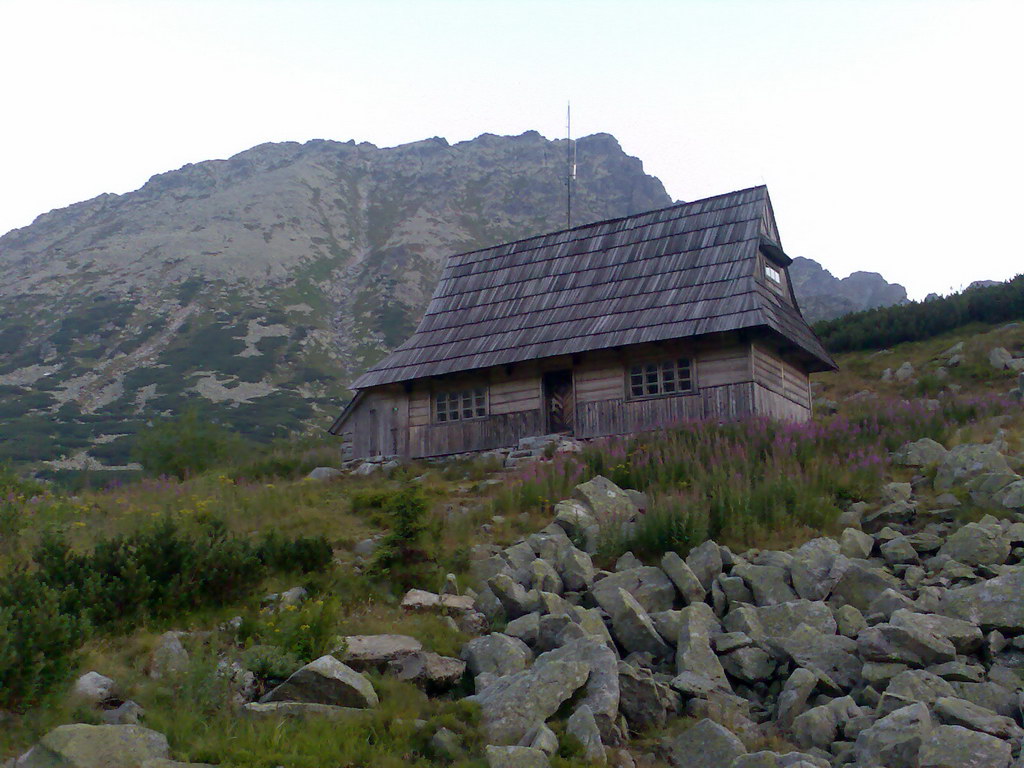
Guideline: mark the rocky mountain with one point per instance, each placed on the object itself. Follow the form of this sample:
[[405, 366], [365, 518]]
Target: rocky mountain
[[823, 296], [255, 287]]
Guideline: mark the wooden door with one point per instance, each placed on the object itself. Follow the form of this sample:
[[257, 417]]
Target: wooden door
[[373, 433], [559, 402]]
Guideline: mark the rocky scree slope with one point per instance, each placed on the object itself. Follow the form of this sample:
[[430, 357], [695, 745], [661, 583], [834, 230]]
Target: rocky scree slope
[[898, 644], [894, 645]]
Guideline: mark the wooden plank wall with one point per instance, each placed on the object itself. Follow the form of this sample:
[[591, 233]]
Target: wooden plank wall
[[498, 431], [600, 376], [514, 392], [617, 417], [781, 377], [723, 365], [734, 379], [380, 424], [419, 406], [508, 393], [775, 406]]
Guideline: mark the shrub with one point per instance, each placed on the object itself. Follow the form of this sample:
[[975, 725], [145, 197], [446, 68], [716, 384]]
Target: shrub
[[303, 554], [270, 663], [402, 549], [161, 570], [371, 500], [37, 640], [185, 446], [13, 485]]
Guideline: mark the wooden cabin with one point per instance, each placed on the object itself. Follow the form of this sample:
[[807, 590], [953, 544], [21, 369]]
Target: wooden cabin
[[616, 327]]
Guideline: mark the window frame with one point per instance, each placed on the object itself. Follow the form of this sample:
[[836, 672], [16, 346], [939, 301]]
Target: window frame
[[661, 367], [773, 273], [455, 401]]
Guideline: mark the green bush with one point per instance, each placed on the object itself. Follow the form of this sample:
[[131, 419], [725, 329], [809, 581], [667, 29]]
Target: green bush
[[402, 550], [13, 485], [303, 554], [162, 570], [38, 640], [185, 446], [159, 570], [270, 663], [303, 632], [372, 500]]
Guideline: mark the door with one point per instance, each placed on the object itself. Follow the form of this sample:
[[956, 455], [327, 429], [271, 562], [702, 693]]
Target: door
[[372, 433], [559, 402]]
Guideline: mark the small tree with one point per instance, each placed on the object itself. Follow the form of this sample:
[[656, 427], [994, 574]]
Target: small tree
[[184, 446], [402, 549]]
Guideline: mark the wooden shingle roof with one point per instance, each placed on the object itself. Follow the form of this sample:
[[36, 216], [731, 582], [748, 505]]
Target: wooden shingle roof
[[682, 271]]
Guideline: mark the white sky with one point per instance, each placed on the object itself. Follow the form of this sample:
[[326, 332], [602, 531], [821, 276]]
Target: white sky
[[889, 133]]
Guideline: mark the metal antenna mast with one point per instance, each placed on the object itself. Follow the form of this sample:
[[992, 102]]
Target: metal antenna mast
[[570, 165]]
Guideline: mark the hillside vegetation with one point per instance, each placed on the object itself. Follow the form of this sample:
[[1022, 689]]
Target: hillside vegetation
[[256, 288], [885, 326], [181, 589]]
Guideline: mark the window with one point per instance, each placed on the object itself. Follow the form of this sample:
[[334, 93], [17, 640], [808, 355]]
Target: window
[[460, 405], [773, 274], [666, 377]]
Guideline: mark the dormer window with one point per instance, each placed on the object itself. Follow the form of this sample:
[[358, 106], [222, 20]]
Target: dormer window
[[773, 274]]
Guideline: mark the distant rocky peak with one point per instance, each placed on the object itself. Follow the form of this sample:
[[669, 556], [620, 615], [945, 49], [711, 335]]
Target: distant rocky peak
[[823, 296]]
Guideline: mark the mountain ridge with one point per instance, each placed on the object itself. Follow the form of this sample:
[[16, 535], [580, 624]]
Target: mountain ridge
[[256, 287]]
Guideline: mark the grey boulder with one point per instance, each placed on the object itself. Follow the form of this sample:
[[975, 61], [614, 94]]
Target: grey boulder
[[705, 745], [650, 586], [975, 544], [992, 604], [634, 629], [920, 453], [496, 654], [642, 700], [514, 704], [515, 757], [605, 501], [601, 691], [952, 745], [954, 711], [362, 652], [894, 740], [965, 461], [686, 581], [582, 725], [326, 681], [428, 669], [705, 561], [909, 644], [96, 746], [94, 688]]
